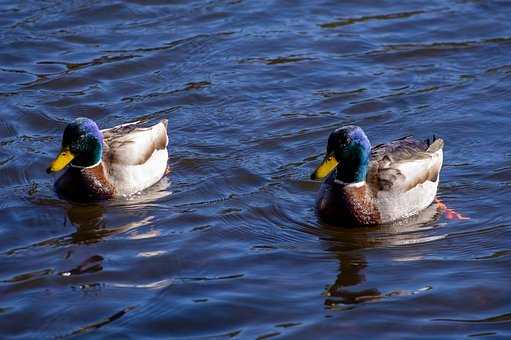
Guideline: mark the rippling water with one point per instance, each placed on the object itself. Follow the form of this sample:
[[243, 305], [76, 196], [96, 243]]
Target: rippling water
[[229, 245]]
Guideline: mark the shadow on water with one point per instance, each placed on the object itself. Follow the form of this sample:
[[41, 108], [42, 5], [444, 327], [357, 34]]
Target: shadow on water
[[349, 245], [90, 219]]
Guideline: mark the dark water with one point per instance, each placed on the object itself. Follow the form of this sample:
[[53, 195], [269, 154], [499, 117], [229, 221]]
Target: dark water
[[229, 245]]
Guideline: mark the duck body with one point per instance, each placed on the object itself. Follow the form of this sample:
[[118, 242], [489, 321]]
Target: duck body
[[131, 158], [397, 180]]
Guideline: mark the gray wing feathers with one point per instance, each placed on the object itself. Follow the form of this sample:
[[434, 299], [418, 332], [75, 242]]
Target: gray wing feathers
[[131, 144], [405, 163]]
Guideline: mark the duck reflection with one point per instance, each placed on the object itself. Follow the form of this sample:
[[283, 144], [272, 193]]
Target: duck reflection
[[349, 244], [93, 223], [92, 226], [89, 222], [351, 270], [128, 215], [98, 220]]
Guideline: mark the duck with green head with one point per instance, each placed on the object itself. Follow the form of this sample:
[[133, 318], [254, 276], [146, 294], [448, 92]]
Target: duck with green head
[[376, 185], [103, 164]]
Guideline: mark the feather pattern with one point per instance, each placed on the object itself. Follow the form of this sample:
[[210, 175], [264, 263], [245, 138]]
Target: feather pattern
[[134, 158], [401, 180], [404, 163], [131, 144]]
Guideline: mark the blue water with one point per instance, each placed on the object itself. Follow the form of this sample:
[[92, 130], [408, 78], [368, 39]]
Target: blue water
[[229, 244]]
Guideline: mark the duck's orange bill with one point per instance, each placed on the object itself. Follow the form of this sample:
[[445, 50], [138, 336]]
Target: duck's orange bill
[[64, 157]]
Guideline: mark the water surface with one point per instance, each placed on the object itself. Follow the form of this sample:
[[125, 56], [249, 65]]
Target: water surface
[[229, 245]]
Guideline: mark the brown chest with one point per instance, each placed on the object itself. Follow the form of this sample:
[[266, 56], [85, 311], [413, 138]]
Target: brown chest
[[347, 204], [85, 184]]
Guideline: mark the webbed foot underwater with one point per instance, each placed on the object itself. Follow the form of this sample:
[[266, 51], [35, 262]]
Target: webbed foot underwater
[[110, 163], [368, 185]]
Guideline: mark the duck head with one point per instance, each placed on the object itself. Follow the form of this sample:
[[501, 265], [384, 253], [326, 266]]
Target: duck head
[[348, 150], [82, 146]]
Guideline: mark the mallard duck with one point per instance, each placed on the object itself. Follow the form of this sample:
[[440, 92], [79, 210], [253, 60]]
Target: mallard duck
[[109, 163], [376, 185]]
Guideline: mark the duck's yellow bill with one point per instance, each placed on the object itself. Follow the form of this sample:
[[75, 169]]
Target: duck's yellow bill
[[326, 167], [64, 157]]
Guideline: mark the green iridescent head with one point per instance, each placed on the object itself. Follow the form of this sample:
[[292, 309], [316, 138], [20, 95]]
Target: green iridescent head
[[348, 148], [82, 146]]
